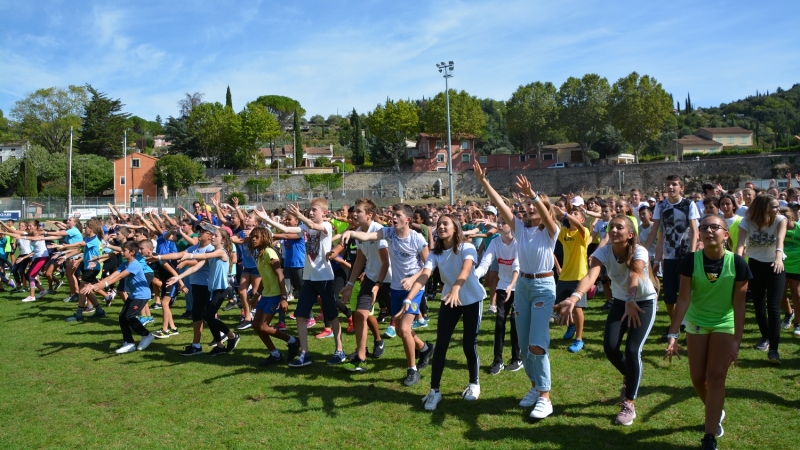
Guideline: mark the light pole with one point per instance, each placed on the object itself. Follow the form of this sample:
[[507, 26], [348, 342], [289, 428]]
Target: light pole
[[447, 69], [279, 177]]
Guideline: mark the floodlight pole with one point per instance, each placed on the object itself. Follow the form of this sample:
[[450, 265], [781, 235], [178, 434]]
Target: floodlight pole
[[447, 70]]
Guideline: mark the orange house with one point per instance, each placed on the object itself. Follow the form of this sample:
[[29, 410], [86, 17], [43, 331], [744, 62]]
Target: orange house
[[138, 181]]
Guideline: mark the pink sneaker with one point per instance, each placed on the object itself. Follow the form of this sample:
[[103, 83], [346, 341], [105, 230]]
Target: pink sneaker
[[311, 322], [280, 326], [325, 333], [319, 318]]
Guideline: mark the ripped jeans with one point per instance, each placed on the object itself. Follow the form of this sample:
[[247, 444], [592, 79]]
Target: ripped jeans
[[533, 306]]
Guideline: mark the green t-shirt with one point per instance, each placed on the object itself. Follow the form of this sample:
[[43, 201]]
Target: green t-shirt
[[183, 244], [791, 247]]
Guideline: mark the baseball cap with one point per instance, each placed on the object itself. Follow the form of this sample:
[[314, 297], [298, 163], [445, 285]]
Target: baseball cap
[[490, 209], [208, 227], [577, 201]]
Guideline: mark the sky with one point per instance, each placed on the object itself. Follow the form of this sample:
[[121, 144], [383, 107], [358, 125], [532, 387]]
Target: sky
[[333, 56]]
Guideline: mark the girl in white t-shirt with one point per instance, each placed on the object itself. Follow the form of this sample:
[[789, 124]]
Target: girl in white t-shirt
[[462, 296], [762, 230], [633, 309]]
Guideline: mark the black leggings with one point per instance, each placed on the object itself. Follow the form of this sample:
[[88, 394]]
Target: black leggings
[[218, 328], [768, 288], [629, 364], [18, 270], [338, 285], [505, 313], [448, 319], [128, 320]]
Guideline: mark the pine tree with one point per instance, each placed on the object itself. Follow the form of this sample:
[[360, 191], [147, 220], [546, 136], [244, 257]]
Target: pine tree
[[357, 142], [27, 183], [298, 141], [228, 100], [158, 119], [679, 106]]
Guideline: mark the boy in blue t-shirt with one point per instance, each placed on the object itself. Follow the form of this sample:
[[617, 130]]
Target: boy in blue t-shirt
[[138, 289]]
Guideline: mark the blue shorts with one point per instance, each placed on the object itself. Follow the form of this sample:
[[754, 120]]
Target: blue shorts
[[397, 301], [251, 271], [270, 305]]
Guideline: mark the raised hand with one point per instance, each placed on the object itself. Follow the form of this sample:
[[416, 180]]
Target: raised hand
[[480, 173], [524, 186]]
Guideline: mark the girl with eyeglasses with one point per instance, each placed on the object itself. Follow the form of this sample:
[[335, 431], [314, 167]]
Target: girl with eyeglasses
[[712, 300], [762, 232]]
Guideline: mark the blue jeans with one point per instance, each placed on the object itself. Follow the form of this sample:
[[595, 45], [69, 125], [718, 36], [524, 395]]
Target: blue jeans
[[533, 306]]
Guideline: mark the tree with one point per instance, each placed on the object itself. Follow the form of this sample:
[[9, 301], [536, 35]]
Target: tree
[[298, 140], [317, 120], [177, 132], [533, 116], [186, 104], [46, 115], [6, 133], [178, 172], [282, 107], [26, 182], [228, 99], [158, 120], [334, 120], [494, 139], [640, 108], [102, 126], [392, 124], [258, 127], [95, 172], [583, 110], [466, 115], [357, 140], [609, 143], [217, 132]]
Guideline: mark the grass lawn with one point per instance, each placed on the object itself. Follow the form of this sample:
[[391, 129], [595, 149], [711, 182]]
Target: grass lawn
[[65, 388]]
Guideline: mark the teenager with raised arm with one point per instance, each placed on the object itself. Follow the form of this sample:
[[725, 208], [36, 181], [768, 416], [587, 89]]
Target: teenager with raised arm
[[535, 292]]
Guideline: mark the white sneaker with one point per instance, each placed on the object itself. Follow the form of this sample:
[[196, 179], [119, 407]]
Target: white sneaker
[[797, 330], [542, 409], [431, 400], [127, 347], [529, 399], [720, 430], [472, 392], [146, 341], [28, 299]]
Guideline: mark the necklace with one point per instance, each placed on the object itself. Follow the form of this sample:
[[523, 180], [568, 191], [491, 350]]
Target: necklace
[[619, 258]]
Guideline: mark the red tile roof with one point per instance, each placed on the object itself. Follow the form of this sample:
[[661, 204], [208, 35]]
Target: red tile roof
[[729, 130]]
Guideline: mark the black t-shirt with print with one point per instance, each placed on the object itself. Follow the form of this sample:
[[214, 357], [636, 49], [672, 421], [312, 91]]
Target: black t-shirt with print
[[713, 267]]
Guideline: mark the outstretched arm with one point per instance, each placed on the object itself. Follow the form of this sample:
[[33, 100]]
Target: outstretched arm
[[502, 208]]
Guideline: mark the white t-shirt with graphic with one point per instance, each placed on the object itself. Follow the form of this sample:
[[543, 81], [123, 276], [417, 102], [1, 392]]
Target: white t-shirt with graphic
[[507, 261], [370, 249], [318, 245], [403, 254], [675, 224], [618, 272], [761, 243]]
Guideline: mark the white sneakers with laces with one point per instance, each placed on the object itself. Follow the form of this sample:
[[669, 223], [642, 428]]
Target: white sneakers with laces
[[431, 400], [542, 409], [127, 347], [472, 392], [529, 399]]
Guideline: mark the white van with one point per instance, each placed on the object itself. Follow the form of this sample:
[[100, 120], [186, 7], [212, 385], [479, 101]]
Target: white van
[[558, 165]]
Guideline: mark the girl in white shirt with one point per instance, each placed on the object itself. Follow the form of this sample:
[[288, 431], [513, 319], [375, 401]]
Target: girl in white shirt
[[462, 296], [536, 290]]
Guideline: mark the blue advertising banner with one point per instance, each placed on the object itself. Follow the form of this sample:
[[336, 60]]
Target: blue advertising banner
[[9, 215]]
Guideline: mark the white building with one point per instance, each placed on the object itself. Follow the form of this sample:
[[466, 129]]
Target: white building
[[16, 149]]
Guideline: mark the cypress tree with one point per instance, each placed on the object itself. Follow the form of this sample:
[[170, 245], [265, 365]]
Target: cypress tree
[[298, 141], [228, 100], [358, 141]]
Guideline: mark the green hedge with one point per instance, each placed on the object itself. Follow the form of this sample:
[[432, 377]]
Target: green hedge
[[331, 180]]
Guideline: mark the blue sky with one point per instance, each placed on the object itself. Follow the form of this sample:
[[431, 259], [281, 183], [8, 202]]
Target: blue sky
[[333, 55]]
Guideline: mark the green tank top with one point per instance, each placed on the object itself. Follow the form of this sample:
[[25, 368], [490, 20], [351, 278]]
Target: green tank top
[[712, 303], [791, 247]]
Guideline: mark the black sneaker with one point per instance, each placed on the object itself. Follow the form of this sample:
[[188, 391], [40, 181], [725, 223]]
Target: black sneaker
[[229, 306], [156, 306], [294, 349], [377, 349], [186, 315], [774, 358], [217, 351], [191, 350], [514, 366], [412, 377], [425, 357], [606, 305], [222, 339], [763, 345], [496, 368], [232, 343], [383, 315], [709, 442], [271, 360], [244, 325]]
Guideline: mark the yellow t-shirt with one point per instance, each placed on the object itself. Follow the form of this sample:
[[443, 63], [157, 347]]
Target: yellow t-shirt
[[575, 264], [268, 276]]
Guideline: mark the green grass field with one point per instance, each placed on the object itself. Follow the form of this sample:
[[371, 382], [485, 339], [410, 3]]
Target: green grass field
[[65, 388]]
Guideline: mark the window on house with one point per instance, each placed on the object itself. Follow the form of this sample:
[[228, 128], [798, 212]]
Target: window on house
[[718, 140], [694, 149], [743, 140], [122, 181], [465, 145], [439, 144], [465, 157], [135, 163], [441, 169], [521, 158], [440, 157], [730, 139], [547, 157], [13, 149], [482, 159]]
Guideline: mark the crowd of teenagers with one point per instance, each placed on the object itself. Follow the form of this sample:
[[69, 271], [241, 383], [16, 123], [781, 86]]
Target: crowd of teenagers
[[536, 261]]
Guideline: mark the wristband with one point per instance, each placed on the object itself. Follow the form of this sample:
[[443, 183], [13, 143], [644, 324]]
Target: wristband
[[106, 283], [535, 198], [778, 250], [191, 256], [159, 257], [406, 302], [350, 283], [576, 295], [673, 336]]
